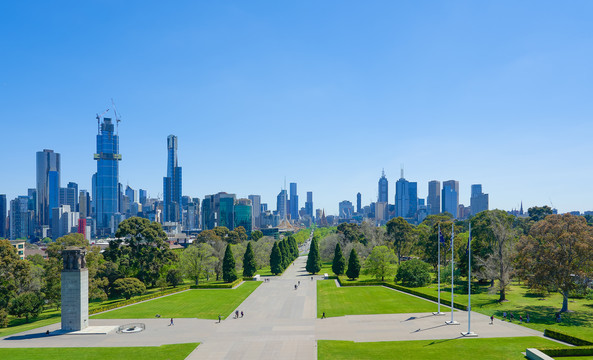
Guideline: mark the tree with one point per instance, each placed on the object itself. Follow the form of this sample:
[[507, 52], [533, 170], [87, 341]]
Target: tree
[[285, 254], [128, 287], [249, 264], [197, 260], [174, 277], [414, 273], [276, 260], [380, 262], [313, 260], [538, 213], [353, 271], [256, 235], [27, 305], [339, 263], [501, 240], [352, 233], [229, 272], [557, 254], [400, 231]]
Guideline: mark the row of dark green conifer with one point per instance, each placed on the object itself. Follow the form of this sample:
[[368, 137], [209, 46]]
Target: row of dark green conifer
[[283, 254], [339, 263]]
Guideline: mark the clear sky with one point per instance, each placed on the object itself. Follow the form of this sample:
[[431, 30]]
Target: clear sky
[[324, 93]]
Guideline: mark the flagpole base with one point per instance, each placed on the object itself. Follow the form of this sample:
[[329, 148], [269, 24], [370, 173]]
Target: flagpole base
[[469, 334], [452, 322], [438, 313]]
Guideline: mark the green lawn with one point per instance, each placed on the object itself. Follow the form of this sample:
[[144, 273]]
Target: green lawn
[[362, 300], [202, 303], [170, 352], [475, 348]]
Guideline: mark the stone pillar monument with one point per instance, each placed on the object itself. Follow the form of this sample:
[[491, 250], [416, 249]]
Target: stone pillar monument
[[75, 290]]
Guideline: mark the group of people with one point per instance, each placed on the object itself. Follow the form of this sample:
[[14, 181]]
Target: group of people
[[296, 286], [511, 317], [237, 314]]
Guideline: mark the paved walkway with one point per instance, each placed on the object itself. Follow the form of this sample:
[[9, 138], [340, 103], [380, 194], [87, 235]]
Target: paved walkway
[[279, 323]]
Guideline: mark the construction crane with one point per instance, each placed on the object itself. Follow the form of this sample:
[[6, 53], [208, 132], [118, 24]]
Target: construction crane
[[117, 118], [99, 120]]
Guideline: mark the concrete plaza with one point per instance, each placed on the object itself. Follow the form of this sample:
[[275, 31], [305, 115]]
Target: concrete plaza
[[279, 323]]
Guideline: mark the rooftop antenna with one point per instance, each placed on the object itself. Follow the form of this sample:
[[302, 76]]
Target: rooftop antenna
[[402, 170], [117, 118], [99, 121]]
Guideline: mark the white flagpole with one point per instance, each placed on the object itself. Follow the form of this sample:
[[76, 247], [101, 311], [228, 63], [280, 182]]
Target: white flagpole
[[452, 322], [469, 284], [439, 272]]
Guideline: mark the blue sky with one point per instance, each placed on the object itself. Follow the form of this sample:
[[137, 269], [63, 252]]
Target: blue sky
[[324, 93]]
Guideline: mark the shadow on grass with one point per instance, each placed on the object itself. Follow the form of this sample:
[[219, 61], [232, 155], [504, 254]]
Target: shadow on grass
[[547, 315], [17, 322]]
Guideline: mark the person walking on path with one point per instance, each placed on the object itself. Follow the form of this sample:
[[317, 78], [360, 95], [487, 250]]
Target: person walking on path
[[237, 314], [171, 322], [219, 318], [241, 313], [504, 316], [491, 319], [323, 315]]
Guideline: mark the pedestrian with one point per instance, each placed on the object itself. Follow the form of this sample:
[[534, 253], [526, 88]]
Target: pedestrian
[[504, 316], [299, 282], [237, 314], [311, 278], [171, 322], [241, 313], [527, 317], [295, 286], [491, 319], [520, 319], [323, 315], [219, 318]]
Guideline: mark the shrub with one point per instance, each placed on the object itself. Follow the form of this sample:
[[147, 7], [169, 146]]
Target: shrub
[[128, 287], [566, 338], [413, 273], [27, 305]]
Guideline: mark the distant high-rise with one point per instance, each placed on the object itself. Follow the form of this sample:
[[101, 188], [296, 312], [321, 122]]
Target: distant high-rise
[[255, 211], [358, 203], [243, 214], [69, 196], [406, 198], [383, 189], [48, 185], [294, 202], [478, 200], [3, 210], [450, 197], [20, 217], [346, 209], [434, 197], [218, 210], [73, 185], [281, 204], [309, 205], [172, 183], [84, 204], [142, 195], [106, 181]]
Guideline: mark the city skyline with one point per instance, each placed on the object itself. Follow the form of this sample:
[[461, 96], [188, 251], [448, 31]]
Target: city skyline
[[450, 91]]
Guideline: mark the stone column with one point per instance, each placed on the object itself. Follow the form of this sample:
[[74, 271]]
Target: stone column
[[75, 289]]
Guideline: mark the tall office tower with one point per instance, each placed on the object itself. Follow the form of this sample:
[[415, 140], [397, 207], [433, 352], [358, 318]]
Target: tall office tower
[[244, 214], [358, 203], [48, 185], [69, 196], [20, 218], [256, 211], [478, 200], [406, 198], [346, 209], [3, 232], [450, 197], [218, 210], [434, 197], [84, 204], [294, 202], [309, 205], [64, 221], [172, 184], [191, 213], [383, 189], [281, 203], [106, 186], [73, 185], [142, 196]]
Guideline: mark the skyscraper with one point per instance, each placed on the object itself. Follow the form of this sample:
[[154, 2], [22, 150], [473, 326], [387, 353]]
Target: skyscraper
[[48, 185], [84, 204], [69, 196], [434, 197], [406, 198], [243, 214], [358, 203], [345, 209], [3, 232], [383, 189], [106, 183], [218, 210], [294, 202], [20, 217], [172, 183], [450, 197], [255, 210], [281, 203], [478, 200], [309, 205]]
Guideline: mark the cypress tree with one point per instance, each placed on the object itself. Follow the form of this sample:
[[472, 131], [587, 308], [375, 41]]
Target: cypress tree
[[249, 264], [229, 273], [339, 263], [313, 260], [276, 260], [294, 247], [353, 266], [285, 254]]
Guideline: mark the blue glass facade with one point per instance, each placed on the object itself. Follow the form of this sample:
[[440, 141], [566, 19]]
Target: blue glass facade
[[48, 185], [172, 193], [107, 156]]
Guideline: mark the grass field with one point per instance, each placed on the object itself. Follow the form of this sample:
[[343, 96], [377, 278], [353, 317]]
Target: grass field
[[169, 352], [476, 348], [335, 301], [203, 304]]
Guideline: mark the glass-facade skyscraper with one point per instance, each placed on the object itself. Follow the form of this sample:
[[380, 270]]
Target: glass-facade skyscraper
[[294, 202], [383, 189], [172, 184], [243, 214], [3, 211], [450, 197], [434, 197], [106, 198], [406, 198], [48, 185], [309, 205], [281, 204]]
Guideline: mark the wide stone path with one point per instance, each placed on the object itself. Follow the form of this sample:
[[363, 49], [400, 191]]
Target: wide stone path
[[279, 323]]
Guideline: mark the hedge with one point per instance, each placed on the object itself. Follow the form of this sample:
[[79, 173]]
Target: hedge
[[571, 351], [137, 299], [566, 338], [404, 289], [217, 286]]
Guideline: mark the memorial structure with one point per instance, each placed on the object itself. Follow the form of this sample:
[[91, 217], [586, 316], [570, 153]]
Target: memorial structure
[[75, 289]]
